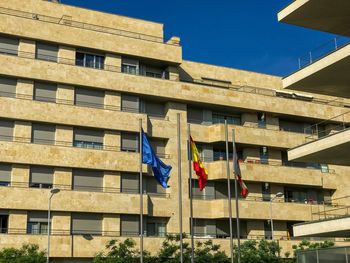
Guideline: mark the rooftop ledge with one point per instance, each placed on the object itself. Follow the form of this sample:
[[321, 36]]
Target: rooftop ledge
[[315, 14]]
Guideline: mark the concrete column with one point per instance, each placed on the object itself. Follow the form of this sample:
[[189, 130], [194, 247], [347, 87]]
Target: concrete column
[[25, 88], [61, 221], [173, 73], [113, 100], [17, 222], [65, 94], [20, 175], [112, 181], [27, 48], [23, 131], [63, 178], [112, 139], [249, 119], [66, 55], [113, 62], [64, 135], [272, 122], [111, 224]]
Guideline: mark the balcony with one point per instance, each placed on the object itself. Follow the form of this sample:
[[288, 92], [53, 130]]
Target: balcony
[[246, 135], [331, 144], [275, 172], [66, 31], [323, 70], [23, 107], [316, 14]]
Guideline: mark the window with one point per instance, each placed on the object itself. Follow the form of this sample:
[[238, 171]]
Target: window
[[307, 196], [158, 146], [261, 120], [5, 174], [130, 103], [264, 155], [86, 224], [90, 60], [43, 134], [130, 183], [153, 187], [194, 115], [4, 218], [208, 192], [6, 130], [130, 142], [130, 66], [153, 108], [37, 223], [266, 191], [47, 52], [44, 91], [130, 225], [41, 177], [91, 139], [9, 45], [231, 119], [8, 87], [89, 98], [156, 226], [204, 227], [88, 180]]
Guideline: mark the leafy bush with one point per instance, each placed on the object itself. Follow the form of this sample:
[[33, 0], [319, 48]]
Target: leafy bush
[[26, 254]]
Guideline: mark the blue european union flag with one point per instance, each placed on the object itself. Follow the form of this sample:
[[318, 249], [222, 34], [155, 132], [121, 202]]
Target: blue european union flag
[[160, 170]]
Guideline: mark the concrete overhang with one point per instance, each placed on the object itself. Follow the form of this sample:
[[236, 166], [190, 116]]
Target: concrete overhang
[[337, 227], [332, 149], [324, 15], [328, 75]]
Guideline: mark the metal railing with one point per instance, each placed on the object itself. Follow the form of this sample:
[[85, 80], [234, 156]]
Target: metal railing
[[68, 21], [340, 208], [75, 144], [80, 188], [321, 255], [322, 51]]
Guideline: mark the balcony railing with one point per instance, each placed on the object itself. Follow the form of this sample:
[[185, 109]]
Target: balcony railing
[[245, 89], [67, 21], [81, 188], [338, 210], [75, 144]]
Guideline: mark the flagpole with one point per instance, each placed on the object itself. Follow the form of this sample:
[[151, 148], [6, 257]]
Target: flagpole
[[236, 196], [229, 192], [179, 185], [191, 191], [141, 195]]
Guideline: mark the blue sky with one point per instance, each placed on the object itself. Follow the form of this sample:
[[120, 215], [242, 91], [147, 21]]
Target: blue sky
[[241, 34]]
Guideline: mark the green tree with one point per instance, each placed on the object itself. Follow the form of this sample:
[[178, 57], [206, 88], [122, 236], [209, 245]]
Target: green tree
[[260, 252], [307, 245], [28, 253]]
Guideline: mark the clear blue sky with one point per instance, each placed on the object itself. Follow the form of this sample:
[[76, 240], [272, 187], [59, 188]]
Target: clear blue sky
[[242, 34]]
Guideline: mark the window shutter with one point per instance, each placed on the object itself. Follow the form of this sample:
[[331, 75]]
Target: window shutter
[[158, 146], [46, 52], [88, 180], [89, 98], [130, 225], [5, 172], [84, 223], [8, 87], [44, 134], [95, 136], [37, 216], [41, 175], [6, 130], [194, 115], [9, 45], [154, 109], [130, 183], [130, 142], [45, 91], [130, 103]]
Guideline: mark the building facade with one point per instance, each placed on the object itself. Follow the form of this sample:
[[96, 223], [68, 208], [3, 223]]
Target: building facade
[[74, 84]]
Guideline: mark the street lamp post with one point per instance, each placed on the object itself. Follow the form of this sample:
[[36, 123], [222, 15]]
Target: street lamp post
[[52, 192], [279, 194]]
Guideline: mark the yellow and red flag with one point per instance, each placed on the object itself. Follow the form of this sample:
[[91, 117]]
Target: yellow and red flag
[[198, 167]]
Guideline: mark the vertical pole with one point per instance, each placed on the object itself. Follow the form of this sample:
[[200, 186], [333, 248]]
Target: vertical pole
[[346, 255], [271, 220], [49, 229], [191, 191], [236, 196], [229, 192], [299, 63], [141, 195], [179, 185], [310, 55], [335, 43]]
